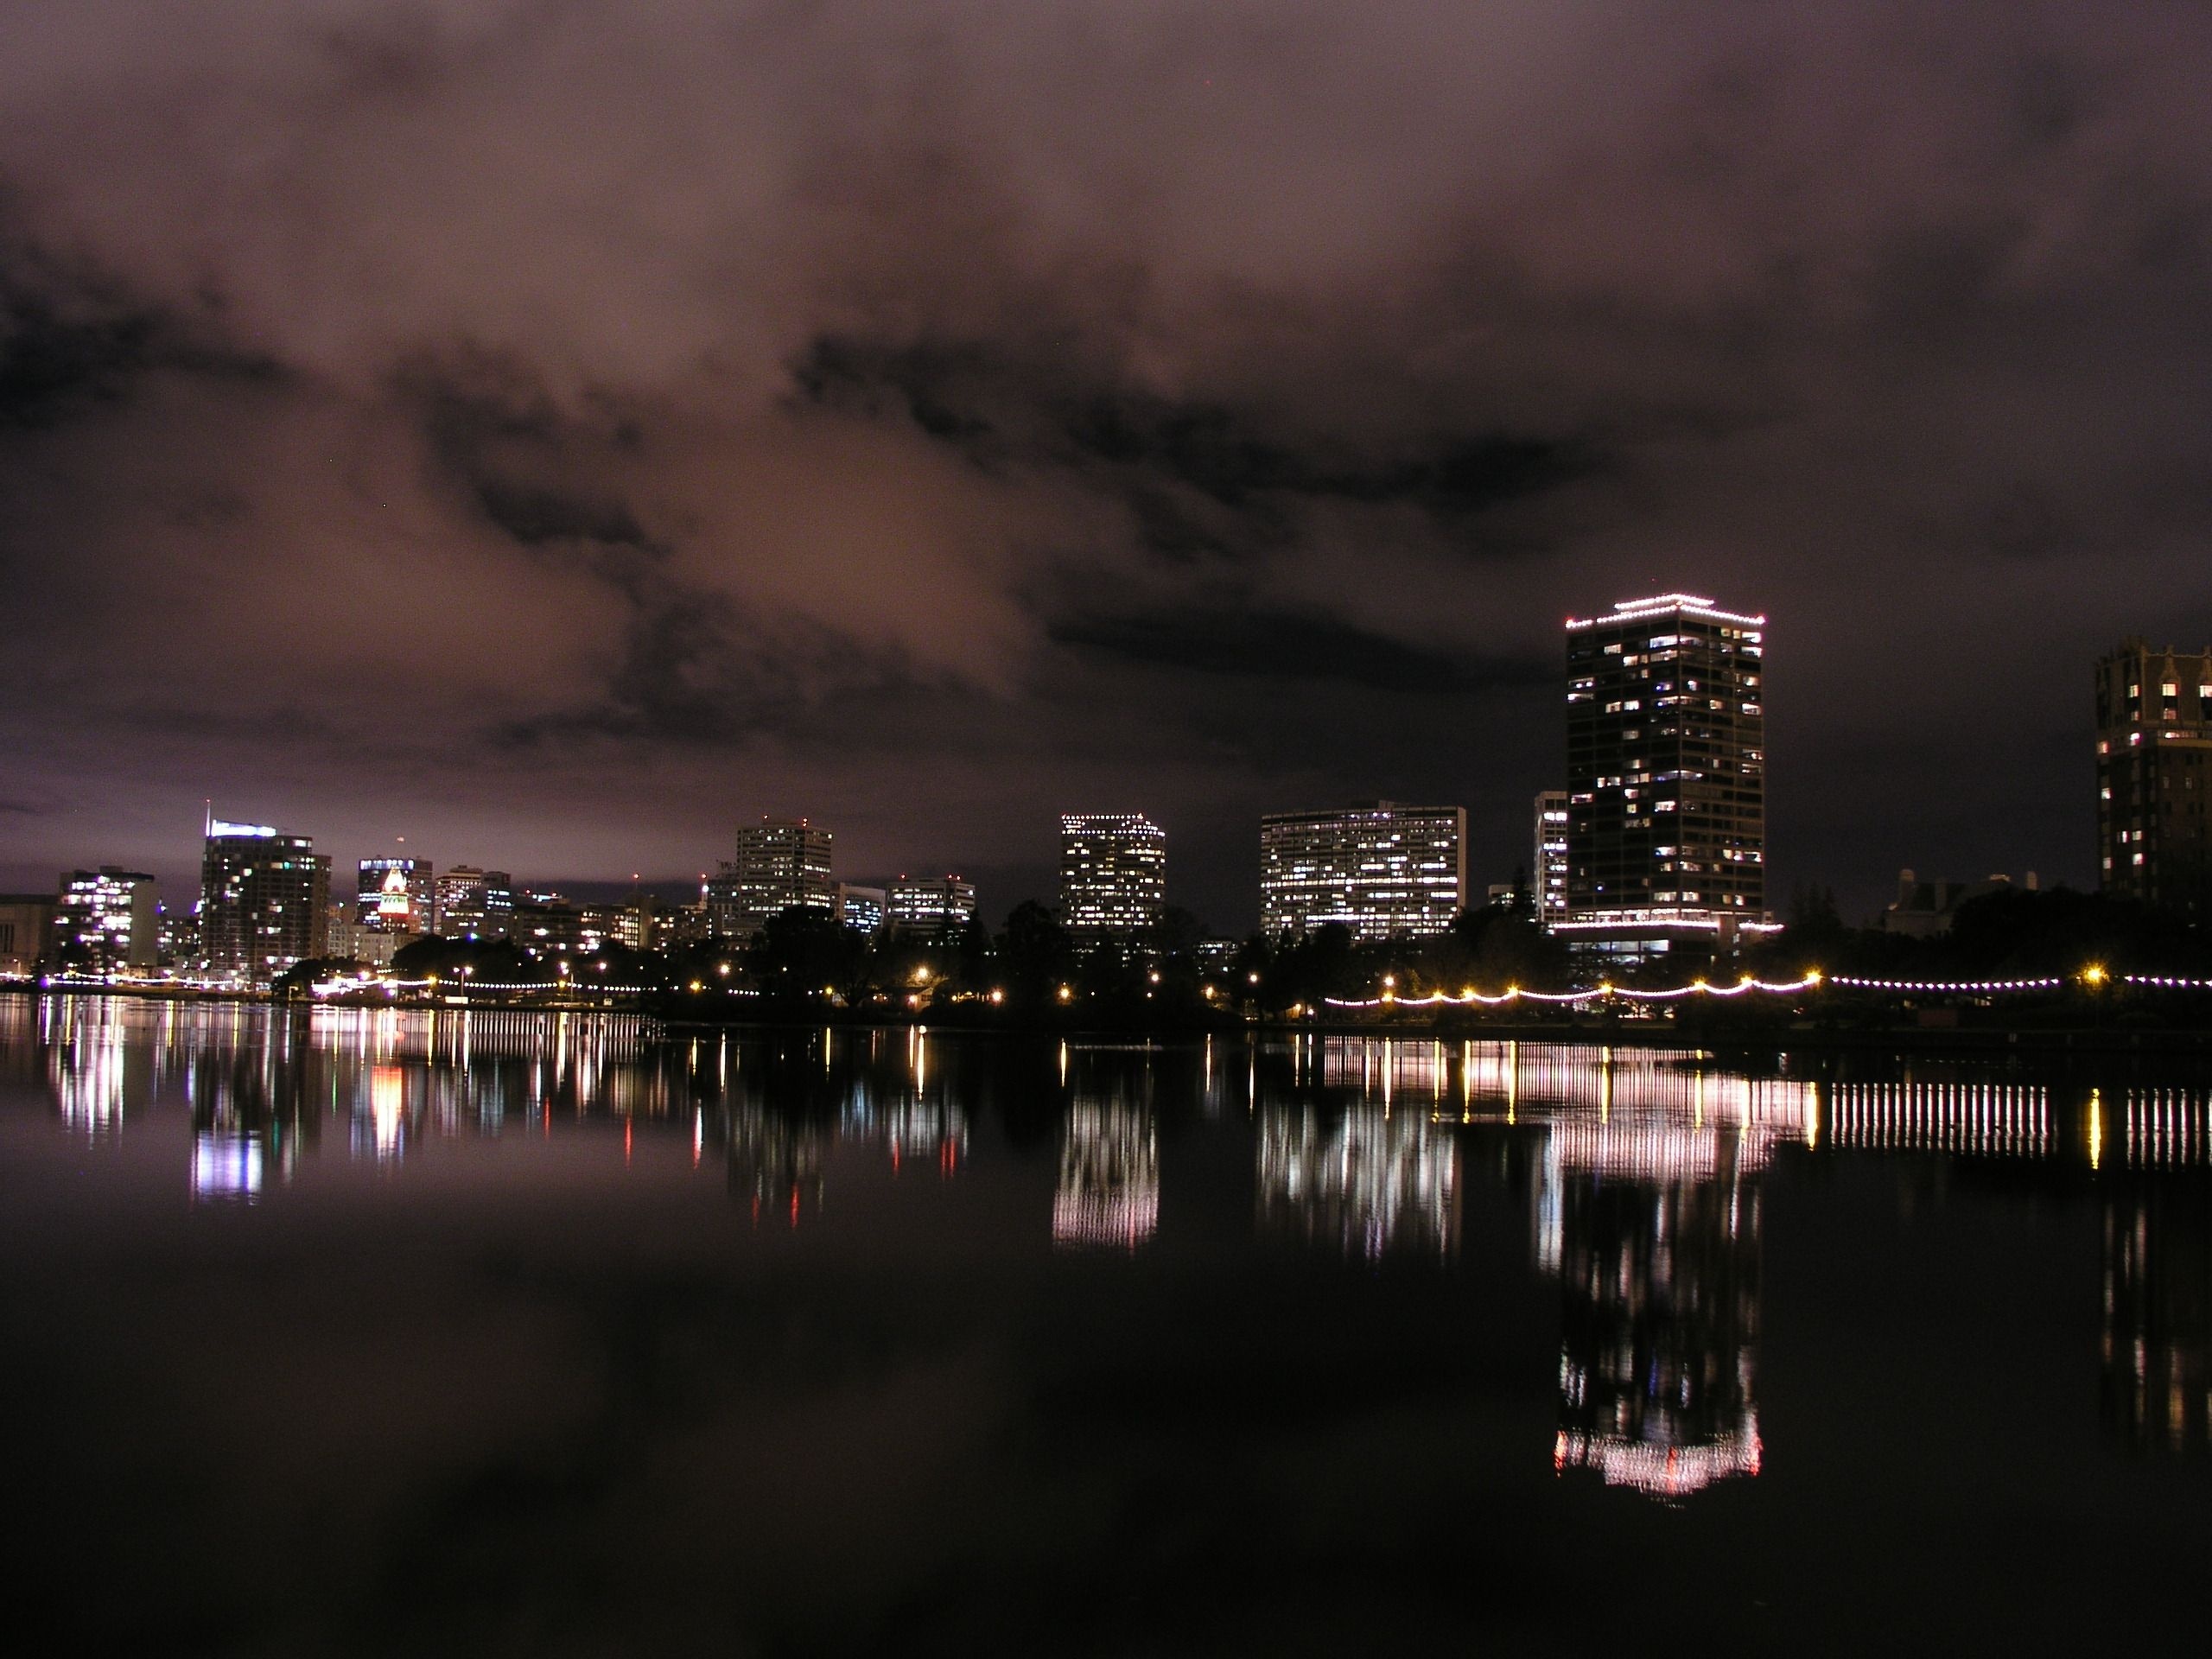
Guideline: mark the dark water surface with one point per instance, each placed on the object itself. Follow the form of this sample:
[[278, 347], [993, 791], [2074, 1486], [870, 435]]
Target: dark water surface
[[412, 1333]]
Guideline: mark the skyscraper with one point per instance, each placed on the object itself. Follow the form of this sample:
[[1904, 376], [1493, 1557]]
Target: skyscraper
[[396, 895], [1113, 874], [1666, 767], [2154, 776], [1548, 882], [1378, 867], [262, 899], [780, 863], [106, 919]]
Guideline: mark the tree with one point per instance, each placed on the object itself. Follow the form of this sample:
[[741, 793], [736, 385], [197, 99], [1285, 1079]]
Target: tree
[[1035, 953], [804, 950]]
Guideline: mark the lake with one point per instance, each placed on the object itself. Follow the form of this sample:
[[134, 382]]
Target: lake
[[335, 1331]]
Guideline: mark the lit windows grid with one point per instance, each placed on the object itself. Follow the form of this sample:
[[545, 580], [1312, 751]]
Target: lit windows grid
[[1378, 871], [1666, 762], [1113, 874], [2154, 774]]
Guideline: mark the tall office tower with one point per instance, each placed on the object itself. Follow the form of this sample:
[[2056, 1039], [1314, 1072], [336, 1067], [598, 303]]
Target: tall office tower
[[1548, 882], [1666, 771], [2154, 776], [262, 896], [935, 908], [396, 895], [780, 863], [107, 919], [1113, 874], [1378, 867]]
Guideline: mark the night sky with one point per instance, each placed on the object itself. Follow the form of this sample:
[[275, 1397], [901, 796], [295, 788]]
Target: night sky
[[553, 430]]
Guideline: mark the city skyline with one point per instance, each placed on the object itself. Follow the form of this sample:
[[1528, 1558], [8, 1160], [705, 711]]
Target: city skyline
[[720, 458]]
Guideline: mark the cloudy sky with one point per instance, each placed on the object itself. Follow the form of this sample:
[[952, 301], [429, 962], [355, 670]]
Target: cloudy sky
[[553, 430]]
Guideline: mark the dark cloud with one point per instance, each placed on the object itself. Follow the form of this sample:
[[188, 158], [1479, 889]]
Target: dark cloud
[[556, 431], [1282, 645]]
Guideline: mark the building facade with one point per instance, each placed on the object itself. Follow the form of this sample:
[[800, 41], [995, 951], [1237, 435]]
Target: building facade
[[1666, 765], [937, 908], [2154, 773], [475, 903], [863, 908], [26, 931], [263, 895], [1113, 875], [396, 895], [1547, 885], [106, 920], [780, 863], [1379, 867]]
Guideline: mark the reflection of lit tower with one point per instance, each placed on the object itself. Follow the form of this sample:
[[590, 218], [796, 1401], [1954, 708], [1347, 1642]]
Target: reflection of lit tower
[[776, 1162], [1110, 1177], [1658, 1260], [1374, 1182], [2158, 1321]]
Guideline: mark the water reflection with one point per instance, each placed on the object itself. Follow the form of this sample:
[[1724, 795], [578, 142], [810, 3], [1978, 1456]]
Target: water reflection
[[783, 1109], [1364, 1180], [1659, 1278], [1640, 1178], [1109, 1191], [2156, 1344]]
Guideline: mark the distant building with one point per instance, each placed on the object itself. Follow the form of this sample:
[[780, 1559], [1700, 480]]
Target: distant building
[[26, 931], [935, 908], [1550, 865], [475, 903], [1666, 766], [106, 920], [600, 924], [346, 940], [1113, 874], [1923, 909], [263, 895], [780, 863], [1379, 867], [547, 926], [396, 895], [2154, 777], [863, 907]]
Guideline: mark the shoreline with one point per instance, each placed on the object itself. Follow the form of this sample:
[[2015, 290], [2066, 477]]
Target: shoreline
[[1980, 1041]]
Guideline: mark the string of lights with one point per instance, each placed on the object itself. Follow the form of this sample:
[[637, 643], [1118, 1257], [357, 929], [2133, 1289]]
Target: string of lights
[[1969, 986], [1515, 994]]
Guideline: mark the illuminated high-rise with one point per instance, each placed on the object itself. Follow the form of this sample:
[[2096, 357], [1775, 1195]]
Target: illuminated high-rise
[[106, 919], [1380, 868], [262, 898], [1666, 766], [2154, 777], [396, 895], [1113, 874], [780, 863]]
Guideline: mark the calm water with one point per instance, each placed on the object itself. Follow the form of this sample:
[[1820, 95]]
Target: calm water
[[388, 1333]]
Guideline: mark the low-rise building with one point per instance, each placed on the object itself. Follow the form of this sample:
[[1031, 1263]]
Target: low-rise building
[[107, 920], [1923, 909], [26, 931]]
